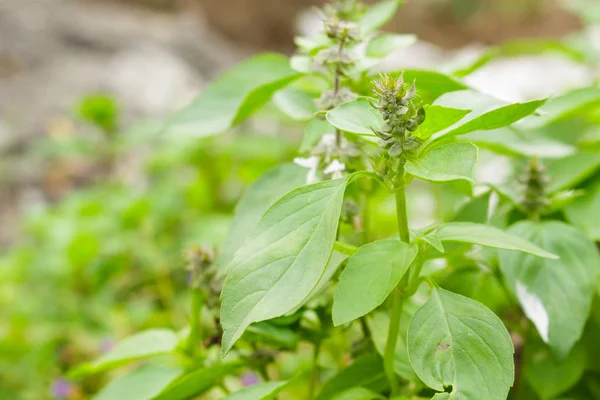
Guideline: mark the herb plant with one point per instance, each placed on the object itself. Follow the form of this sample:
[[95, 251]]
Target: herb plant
[[490, 301]]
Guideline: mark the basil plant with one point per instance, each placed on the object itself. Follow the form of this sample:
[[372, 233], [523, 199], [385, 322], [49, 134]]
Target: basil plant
[[329, 287]]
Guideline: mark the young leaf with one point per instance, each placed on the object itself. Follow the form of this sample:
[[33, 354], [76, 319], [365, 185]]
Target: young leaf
[[439, 118], [485, 235], [454, 161], [455, 341], [141, 384], [371, 274], [366, 371], [283, 259], [584, 212], [378, 325], [555, 294], [260, 391], [145, 344], [487, 112], [295, 103], [234, 96], [378, 15], [259, 196], [356, 116], [197, 382], [383, 45], [549, 376], [567, 172], [358, 393]]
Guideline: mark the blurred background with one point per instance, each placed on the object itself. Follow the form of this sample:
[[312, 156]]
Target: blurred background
[[96, 210]]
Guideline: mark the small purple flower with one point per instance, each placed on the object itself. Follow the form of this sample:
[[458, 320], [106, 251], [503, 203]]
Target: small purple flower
[[249, 378], [61, 388]]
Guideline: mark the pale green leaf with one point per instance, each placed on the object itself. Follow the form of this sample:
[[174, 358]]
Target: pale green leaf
[[378, 15], [431, 84], [378, 324], [567, 172], [371, 274], [439, 118], [358, 393], [366, 371], [584, 212], [487, 112], [313, 132], [454, 161], [455, 341], [556, 295], [356, 116], [197, 382], [382, 45], [259, 196], [548, 375], [295, 103], [154, 342], [485, 235], [283, 259], [142, 384], [563, 107], [234, 96], [260, 391]]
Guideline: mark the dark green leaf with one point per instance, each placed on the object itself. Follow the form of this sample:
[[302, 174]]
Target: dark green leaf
[[260, 391], [358, 393], [455, 341], [366, 371]]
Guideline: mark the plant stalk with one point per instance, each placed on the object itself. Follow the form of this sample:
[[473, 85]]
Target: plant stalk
[[314, 378], [397, 294], [195, 340]]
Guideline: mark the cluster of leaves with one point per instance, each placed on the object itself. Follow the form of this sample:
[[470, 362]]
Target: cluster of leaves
[[330, 289]]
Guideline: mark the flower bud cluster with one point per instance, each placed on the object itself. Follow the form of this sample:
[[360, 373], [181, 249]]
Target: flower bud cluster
[[348, 10], [203, 272], [534, 181]]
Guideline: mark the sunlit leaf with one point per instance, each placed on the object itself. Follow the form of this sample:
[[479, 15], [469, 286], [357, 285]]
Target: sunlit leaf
[[383, 45], [234, 96], [283, 259], [295, 103], [357, 116], [567, 172], [454, 161], [584, 212], [378, 15], [260, 391], [141, 384]]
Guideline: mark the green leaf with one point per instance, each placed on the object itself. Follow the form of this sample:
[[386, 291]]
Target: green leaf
[[513, 142], [197, 382], [455, 341], [370, 274], [520, 48], [378, 324], [584, 212], [487, 112], [260, 391], [366, 371], [454, 161], [378, 15], [234, 96], [283, 259], [295, 103], [485, 235], [439, 118], [143, 345], [563, 107], [358, 393], [383, 45], [313, 132], [259, 196], [556, 295], [567, 172], [142, 384], [270, 334], [549, 376], [356, 116], [431, 84]]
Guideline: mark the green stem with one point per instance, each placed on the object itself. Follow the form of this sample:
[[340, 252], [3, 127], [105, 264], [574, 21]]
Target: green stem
[[397, 295], [344, 248], [314, 378], [195, 340]]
